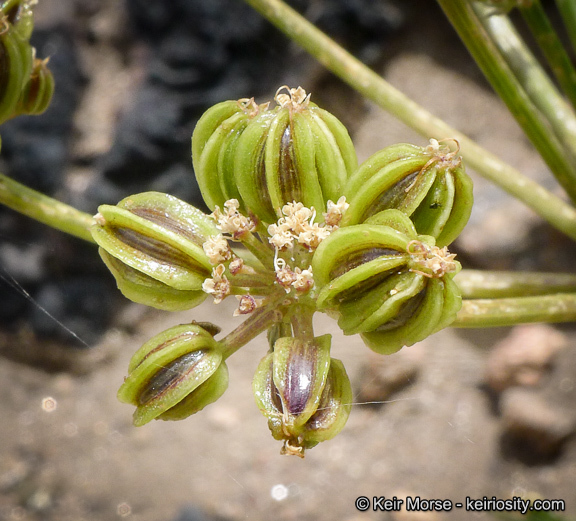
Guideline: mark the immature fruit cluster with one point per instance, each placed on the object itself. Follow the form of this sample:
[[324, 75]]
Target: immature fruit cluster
[[383, 280], [26, 84], [175, 374], [367, 245], [266, 157], [304, 393]]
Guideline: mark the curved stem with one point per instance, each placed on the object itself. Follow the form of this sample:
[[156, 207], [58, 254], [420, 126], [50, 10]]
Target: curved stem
[[372, 86], [551, 46], [538, 86], [476, 284], [45, 209], [491, 44], [513, 311]]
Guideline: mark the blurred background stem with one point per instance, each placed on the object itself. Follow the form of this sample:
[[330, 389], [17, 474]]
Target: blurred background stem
[[557, 212], [551, 47], [512, 311]]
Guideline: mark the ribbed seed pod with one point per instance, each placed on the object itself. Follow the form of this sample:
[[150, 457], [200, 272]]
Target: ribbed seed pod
[[37, 92], [175, 374], [213, 145], [427, 184], [16, 56], [383, 280], [302, 154], [267, 158], [152, 243], [305, 394]]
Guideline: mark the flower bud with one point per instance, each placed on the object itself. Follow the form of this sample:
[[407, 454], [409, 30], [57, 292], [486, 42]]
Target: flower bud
[[304, 393], [159, 236], [427, 184], [387, 283], [268, 158], [174, 375]]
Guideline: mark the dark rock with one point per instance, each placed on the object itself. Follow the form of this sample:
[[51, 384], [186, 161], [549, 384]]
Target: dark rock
[[78, 308]]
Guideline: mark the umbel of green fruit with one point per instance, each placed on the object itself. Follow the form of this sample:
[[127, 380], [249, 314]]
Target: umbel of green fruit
[[383, 280], [428, 184], [175, 374], [266, 158], [304, 393]]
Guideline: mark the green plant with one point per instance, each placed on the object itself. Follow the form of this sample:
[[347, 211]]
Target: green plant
[[298, 227]]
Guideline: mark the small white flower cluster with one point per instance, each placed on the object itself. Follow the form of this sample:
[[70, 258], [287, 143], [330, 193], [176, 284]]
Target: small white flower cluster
[[217, 249], [298, 225], [231, 221], [299, 279]]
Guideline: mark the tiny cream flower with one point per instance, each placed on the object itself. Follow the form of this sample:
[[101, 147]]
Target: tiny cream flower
[[285, 277], [438, 261], [335, 211], [246, 304], [218, 286], [313, 235], [232, 221], [217, 249], [280, 236], [304, 280]]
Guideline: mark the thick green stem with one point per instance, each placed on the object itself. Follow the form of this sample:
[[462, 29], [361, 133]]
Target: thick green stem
[[538, 86], [302, 323], [567, 10], [551, 46], [514, 91], [45, 209], [375, 88], [476, 284], [513, 311]]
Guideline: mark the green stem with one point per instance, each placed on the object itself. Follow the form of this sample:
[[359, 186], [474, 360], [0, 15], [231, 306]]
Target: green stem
[[373, 87], [538, 86], [45, 209], [551, 46], [482, 284], [567, 10], [513, 311], [514, 91], [257, 322], [302, 323]]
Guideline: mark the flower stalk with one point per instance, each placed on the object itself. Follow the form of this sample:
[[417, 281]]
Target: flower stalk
[[513, 311], [45, 209]]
